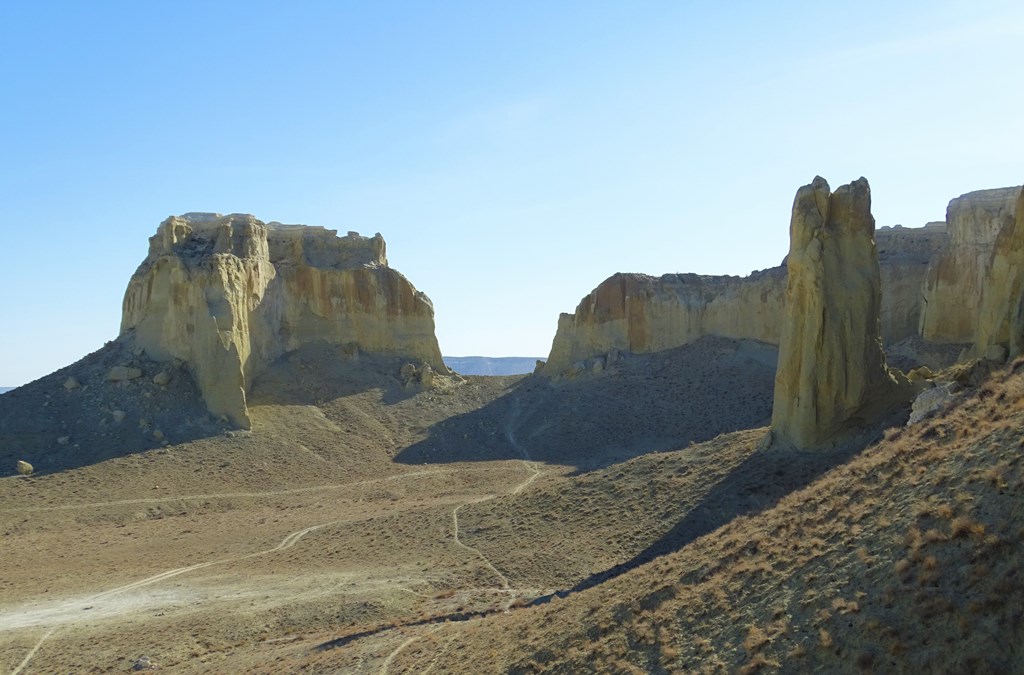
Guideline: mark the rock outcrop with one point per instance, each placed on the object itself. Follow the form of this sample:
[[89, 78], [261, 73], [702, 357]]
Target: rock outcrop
[[1000, 321], [228, 295], [832, 376], [636, 313], [904, 255], [641, 314], [953, 288]]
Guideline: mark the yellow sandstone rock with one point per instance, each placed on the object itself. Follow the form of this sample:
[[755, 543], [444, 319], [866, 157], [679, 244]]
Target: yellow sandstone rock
[[230, 294], [1001, 314], [832, 376], [953, 289], [639, 314]]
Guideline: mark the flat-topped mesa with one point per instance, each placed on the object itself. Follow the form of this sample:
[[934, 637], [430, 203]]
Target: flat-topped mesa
[[832, 377], [230, 294], [1001, 312], [637, 313], [956, 278]]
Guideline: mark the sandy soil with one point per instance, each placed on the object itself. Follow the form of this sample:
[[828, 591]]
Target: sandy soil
[[356, 517]]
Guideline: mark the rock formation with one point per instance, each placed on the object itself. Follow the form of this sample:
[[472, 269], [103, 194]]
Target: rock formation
[[1000, 321], [904, 254], [228, 295], [832, 374], [637, 313], [953, 288], [641, 314]]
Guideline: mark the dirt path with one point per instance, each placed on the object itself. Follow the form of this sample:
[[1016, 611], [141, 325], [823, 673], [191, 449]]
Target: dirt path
[[102, 604], [121, 600], [505, 587]]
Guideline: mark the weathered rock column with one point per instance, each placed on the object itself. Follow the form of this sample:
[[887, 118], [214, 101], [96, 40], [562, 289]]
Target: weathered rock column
[[832, 377]]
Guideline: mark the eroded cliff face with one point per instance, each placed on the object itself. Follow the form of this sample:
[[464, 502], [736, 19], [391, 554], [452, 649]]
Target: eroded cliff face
[[832, 374], [230, 294], [1001, 311], [640, 314], [953, 289], [903, 257]]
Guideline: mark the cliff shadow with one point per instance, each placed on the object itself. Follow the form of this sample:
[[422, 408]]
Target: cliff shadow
[[320, 372], [640, 404], [757, 485]]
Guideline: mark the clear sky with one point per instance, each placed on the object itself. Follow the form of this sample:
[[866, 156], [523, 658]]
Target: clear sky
[[513, 154]]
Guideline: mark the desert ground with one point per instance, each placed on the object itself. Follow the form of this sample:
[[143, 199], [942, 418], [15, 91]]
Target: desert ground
[[357, 515], [625, 522]]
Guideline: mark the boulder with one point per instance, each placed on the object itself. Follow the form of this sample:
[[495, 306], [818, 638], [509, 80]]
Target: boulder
[[930, 400], [23, 468], [228, 295], [123, 374], [832, 377], [71, 383]]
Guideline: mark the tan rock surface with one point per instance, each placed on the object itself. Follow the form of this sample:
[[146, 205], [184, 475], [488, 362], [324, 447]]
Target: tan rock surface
[[643, 314], [904, 254], [639, 314], [1001, 315], [832, 374], [953, 288], [229, 294]]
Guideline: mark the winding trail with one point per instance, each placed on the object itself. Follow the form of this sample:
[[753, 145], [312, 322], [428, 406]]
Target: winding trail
[[32, 652], [400, 648], [74, 605], [63, 612], [535, 472], [505, 587]]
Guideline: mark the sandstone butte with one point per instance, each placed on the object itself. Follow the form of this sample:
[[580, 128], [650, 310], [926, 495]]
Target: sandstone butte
[[832, 376], [228, 295], [931, 289]]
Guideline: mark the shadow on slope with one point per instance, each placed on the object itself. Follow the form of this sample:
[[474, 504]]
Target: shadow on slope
[[641, 404], [56, 427], [317, 373], [755, 486]]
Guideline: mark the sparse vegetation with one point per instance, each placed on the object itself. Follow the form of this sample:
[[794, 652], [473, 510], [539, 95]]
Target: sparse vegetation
[[708, 557]]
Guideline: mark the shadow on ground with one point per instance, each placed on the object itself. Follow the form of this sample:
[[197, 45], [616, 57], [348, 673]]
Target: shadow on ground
[[76, 416], [644, 403], [764, 478]]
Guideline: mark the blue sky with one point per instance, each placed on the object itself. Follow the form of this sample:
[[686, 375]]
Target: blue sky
[[512, 154]]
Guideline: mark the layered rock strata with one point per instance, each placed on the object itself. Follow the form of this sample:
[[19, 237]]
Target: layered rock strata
[[228, 295], [642, 314], [637, 313], [832, 374], [953, 289]]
